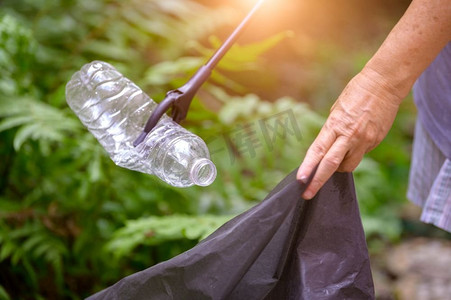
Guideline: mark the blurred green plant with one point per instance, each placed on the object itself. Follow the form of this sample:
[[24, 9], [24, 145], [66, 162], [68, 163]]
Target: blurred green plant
[[157, 230], [67, 212], [59, 191]]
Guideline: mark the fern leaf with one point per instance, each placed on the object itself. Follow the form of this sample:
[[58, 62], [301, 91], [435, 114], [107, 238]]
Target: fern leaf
[[36, 121], [164, 72], [17, 256], [6, 250], [156, 230], [13, 122], [33, 241], [31, 131]]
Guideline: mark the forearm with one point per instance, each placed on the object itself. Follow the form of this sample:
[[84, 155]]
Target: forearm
[[411, 46]]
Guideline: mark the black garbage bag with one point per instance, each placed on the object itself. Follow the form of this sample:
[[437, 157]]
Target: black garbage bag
[[283, 248]]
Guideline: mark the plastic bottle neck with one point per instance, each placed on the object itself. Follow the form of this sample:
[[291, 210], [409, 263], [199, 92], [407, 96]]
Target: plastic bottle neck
[[203, 172]]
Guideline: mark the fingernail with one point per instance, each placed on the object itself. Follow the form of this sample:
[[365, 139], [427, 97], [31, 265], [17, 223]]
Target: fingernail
[[307, 195], [303, 179]]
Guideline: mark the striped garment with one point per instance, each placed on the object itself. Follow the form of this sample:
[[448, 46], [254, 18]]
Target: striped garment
[[430, 180]]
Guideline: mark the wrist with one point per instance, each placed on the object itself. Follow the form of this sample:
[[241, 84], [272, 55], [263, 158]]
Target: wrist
[[386, 84]]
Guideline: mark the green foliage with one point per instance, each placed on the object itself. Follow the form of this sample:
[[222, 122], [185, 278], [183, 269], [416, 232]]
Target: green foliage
[[17, 48], [3, 294], [67, 212], [60, 193], [32, 242], [37, 121], [157, 230]]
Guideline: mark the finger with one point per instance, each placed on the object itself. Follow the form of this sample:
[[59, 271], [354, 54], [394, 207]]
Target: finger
[[352, 159], [328, 165], [315, 153]]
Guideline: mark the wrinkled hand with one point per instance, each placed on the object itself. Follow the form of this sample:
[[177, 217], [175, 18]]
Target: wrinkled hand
[[358, 121]]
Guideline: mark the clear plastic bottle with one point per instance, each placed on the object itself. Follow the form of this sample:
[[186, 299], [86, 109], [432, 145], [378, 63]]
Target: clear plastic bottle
[[115, 110]]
